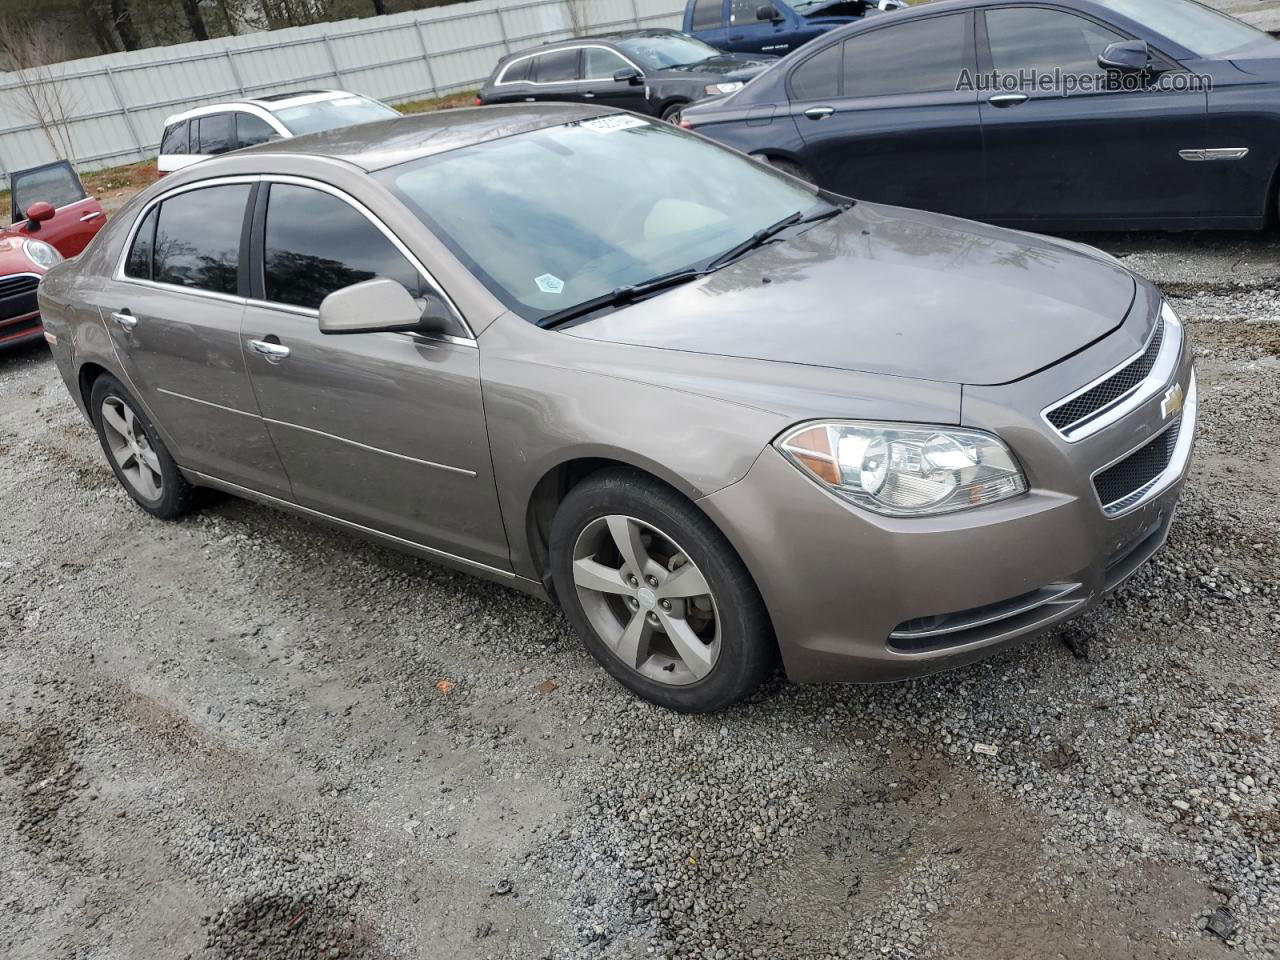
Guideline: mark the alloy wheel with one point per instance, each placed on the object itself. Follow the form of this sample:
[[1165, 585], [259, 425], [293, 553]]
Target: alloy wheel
[[647, 600], [131, 449]]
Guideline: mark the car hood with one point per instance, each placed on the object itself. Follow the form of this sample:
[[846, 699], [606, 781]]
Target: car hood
[[12, 257], [892, 291], [726, 65]]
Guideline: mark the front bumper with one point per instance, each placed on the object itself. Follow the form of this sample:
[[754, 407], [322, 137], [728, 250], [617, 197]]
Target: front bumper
[[855, 596]]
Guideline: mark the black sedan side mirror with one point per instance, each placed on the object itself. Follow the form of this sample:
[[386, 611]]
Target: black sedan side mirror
[[1126, 56], [627, 75], [767, 11]]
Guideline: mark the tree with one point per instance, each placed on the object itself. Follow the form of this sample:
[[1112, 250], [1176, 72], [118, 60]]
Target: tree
[[122, 18], [194, 19], [34, 51], [379, 8]]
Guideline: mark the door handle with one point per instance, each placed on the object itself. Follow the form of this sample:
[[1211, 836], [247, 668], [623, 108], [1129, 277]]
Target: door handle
[[91, 216], [124, 319], [817, 113], [588, 95], [740, 36], [274, 352], [530, 100], [1007, 99]]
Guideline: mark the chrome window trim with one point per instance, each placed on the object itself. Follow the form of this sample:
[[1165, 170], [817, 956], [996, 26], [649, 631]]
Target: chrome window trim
[[553, 83], [120, 276], [1155, 381], [1177, 465]]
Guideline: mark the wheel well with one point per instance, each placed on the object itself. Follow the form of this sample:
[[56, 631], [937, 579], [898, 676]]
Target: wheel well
[[546, 498], [88, 374], [1271, 215]]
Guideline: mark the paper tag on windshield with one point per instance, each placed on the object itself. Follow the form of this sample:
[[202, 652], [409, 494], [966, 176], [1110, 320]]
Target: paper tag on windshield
[[549, 283], [616, 121]]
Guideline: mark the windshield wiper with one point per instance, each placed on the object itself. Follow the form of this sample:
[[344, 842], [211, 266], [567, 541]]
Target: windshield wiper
[[765, 234], [620, 295]]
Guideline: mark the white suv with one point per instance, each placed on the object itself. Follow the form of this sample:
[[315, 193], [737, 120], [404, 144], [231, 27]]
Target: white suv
[[222, 127]]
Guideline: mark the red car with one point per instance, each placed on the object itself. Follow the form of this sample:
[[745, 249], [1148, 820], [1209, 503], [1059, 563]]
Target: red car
[[52, 218]]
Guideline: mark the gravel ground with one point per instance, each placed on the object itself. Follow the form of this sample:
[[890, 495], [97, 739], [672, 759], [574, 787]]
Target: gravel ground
[[243, 736]]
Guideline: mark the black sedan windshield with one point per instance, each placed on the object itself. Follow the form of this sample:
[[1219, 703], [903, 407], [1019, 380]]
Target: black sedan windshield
[[668, 50], [553, 218]]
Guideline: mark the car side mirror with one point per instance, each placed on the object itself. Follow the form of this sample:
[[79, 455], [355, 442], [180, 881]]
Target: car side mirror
[[1126, 56], [767, 11], [627, 75], [381, 306], [38, 213]]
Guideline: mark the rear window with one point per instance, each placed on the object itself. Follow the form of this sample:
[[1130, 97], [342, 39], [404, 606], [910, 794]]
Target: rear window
[[558, 67], [139, 263], [175, 139]]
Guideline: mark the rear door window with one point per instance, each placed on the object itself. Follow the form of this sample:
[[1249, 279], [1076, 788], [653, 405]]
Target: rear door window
[[818, 78], [517, 72], [708, 14], [215, 134], [198, 238], [316, 243], [251, 130], [175, 139], [916, 56], [140, 254], [560, 66]]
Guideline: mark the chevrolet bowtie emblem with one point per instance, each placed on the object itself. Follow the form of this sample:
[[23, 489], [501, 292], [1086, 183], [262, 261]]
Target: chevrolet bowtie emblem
[[1172, 402]]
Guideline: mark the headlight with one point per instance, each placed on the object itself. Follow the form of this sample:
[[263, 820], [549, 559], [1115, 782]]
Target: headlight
[[41, 254], [905, 470], [718, 88]]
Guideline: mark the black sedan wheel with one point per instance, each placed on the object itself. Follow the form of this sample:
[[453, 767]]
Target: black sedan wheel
[[672, 113]]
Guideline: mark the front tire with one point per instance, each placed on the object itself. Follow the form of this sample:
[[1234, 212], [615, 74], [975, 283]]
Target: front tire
[[138, 457], [671, 114], [658, 595]]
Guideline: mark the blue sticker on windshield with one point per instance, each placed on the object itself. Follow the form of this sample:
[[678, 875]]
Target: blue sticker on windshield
[[548, 283]]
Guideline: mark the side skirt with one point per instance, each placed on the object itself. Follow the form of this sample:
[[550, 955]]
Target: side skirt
[[504, 577]]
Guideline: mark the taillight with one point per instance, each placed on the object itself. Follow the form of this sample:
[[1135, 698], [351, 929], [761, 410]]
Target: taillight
[[479, 102], [686, 123]]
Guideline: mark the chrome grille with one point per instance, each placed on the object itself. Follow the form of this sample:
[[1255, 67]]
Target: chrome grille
[[1123, 483], [1120, 384]]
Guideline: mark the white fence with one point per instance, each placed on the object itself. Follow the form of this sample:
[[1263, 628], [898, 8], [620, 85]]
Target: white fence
[[117, 103]]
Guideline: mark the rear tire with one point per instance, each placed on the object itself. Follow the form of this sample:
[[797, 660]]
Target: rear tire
[[137, 455], [657, 594]]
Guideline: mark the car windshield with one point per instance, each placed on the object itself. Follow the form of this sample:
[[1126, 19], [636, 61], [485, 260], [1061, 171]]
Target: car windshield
[[667, 50], [550, 219], [332, 114], [1205, 32]]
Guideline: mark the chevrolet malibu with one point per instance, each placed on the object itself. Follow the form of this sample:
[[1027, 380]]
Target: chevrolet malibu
[[716, 414]]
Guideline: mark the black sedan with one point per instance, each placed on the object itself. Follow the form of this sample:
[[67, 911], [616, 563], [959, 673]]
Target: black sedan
[[656, 72], [1071, 114]]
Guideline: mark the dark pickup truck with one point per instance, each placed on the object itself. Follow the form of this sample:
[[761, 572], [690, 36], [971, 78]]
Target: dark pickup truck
[[753, 26]]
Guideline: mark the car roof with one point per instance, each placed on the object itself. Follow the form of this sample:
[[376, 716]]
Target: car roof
[[270, 102], [385, 143], [550, 46]]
